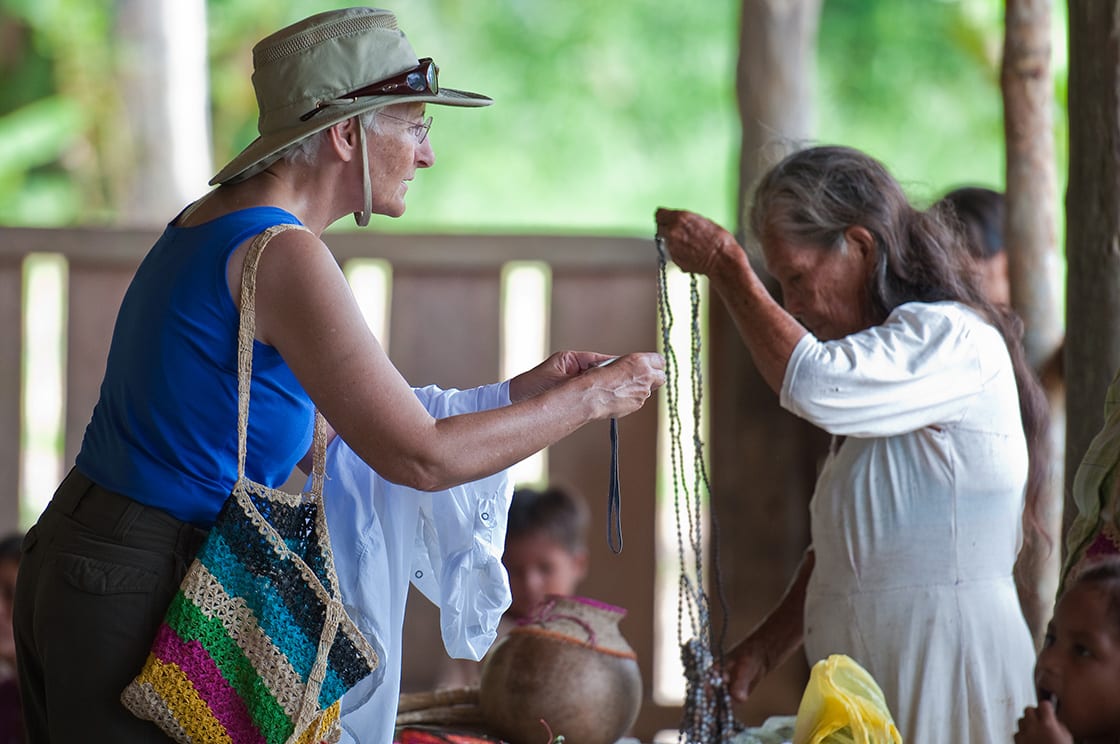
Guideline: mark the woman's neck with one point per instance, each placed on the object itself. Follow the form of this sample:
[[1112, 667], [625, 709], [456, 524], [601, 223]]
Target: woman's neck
[[303, 194]]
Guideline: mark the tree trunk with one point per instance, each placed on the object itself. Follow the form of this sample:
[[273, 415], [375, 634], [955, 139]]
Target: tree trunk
[[777, 58], [164, 73], [764, 460], [1092, 349], [1031, 238]]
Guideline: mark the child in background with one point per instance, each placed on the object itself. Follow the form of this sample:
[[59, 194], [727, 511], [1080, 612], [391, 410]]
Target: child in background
[[545, 553], [546, 547], [1078, 669]]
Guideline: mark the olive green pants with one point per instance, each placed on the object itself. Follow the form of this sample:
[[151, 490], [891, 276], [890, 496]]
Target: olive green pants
[[97, 574]]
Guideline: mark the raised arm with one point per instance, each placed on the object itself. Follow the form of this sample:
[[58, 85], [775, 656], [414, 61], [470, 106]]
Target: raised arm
[[305, 309], [700, 246]]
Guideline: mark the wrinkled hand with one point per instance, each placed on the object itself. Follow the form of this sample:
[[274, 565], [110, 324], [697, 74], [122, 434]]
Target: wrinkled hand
[[1040, 726], [560, 366], [744, 667], [624, 385], [695, 243]]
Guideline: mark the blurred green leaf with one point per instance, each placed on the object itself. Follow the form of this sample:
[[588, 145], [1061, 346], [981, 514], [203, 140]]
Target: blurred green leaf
[[42, 201], [38, 133]]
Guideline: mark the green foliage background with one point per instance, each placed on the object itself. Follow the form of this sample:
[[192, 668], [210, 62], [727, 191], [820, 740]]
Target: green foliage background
[[604, 110]]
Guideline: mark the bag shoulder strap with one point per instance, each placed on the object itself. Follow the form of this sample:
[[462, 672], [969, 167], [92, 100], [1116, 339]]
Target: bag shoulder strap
[[245, 334]]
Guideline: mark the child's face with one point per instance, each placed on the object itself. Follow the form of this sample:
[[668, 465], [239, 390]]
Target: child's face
[[1078, 668], [538, 566]]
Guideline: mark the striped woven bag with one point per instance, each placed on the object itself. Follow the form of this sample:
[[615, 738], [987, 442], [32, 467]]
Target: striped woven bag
[[256, 646]]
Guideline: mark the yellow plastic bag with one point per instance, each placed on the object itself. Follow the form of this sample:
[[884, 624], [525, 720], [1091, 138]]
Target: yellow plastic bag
[[843, 704]]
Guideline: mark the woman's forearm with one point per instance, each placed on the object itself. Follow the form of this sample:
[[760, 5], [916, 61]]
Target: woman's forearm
[[448, 451], [773, 640], [770, 333], [785, 625]]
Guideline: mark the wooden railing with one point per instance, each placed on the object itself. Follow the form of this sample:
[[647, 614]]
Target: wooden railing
[[444, 329]]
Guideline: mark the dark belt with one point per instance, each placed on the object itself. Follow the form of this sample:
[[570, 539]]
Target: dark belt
[[113, 515]]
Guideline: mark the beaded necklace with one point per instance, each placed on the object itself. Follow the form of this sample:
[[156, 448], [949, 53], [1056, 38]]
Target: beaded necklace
[[707, 714]]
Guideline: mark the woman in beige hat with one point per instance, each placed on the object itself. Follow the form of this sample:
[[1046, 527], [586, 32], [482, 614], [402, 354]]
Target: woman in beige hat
[[343, 129]]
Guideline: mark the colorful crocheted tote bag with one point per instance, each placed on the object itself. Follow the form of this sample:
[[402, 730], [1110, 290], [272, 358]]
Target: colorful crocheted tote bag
[[256, 646]]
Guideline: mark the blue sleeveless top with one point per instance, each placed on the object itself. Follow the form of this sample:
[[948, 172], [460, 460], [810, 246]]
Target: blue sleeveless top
[[164, 431]]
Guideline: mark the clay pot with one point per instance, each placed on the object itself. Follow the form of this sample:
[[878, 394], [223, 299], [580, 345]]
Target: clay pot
[[569, 666]]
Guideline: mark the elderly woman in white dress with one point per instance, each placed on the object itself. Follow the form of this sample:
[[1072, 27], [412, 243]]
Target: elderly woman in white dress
[[886, 341]]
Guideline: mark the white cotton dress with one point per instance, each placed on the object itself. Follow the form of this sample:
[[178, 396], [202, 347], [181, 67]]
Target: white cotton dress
[[916, 519]]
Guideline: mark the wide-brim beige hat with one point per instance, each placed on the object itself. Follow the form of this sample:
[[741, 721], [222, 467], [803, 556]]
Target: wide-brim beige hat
[[312, 65]]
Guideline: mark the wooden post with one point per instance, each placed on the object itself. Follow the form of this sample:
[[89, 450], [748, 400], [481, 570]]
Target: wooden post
[[1033, 262], [1092, 349], [763, 460], [777, 55]]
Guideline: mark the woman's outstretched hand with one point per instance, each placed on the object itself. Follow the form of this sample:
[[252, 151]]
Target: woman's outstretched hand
[[617, 389], [625, 384], [559, 367], [695, 243]]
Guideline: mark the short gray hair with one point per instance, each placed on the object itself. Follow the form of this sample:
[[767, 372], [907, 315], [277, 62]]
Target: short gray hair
[[306, 151]]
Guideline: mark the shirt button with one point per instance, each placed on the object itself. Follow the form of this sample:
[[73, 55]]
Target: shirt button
[[419, 574]]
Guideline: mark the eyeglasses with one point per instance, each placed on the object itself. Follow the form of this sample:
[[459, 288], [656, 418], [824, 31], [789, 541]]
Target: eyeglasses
[[419, 129], [422, 79]]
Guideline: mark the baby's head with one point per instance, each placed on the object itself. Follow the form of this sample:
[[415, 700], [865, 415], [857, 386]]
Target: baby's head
[[1078, 669], [546, 550]]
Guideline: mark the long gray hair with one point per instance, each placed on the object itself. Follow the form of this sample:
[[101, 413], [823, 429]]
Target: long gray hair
[[814, 195]]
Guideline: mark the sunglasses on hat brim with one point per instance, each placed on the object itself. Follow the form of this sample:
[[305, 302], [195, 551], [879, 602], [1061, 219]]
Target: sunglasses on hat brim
[[420, 80]]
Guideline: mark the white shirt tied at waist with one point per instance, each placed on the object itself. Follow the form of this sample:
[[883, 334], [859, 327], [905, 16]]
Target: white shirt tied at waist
[[448, 543]]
